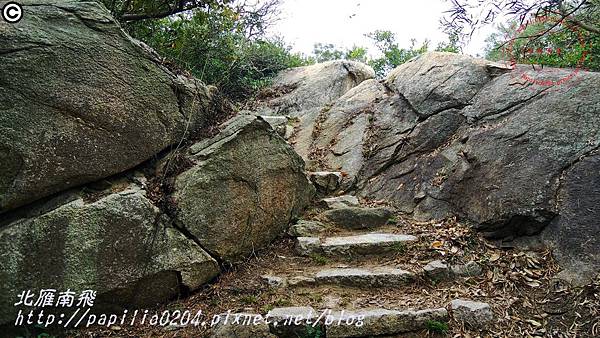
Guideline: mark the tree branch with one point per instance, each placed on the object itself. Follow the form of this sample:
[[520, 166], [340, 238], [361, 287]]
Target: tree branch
[[177, 7], [564, 16], [569, 17], [159, 15]]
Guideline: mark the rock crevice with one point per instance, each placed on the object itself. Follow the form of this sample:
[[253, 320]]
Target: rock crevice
[[447, 134]]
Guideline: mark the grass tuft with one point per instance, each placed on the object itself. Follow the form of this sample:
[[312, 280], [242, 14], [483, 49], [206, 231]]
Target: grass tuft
[[437, 327]]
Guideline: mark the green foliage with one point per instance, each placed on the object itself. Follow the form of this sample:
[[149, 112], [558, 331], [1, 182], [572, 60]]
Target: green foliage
[[329, 52], [223, 43], [313, 332], [220, 47], [249, 299], [453, 44], [437, 327], [133, 10], [318, 259], [392, 54], [400, 248], [539, 42], [495, 43], [357, 54]]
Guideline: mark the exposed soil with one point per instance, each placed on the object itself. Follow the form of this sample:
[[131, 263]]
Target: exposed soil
[[519, 286]]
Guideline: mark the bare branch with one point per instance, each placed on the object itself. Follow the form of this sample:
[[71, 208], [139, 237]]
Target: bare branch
[[569, 16]]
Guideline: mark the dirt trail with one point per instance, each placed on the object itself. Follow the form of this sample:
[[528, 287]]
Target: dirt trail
[[518, 285]]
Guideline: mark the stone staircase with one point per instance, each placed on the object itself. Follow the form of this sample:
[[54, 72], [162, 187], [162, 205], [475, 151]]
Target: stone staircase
[[352, 250], [360, 244]]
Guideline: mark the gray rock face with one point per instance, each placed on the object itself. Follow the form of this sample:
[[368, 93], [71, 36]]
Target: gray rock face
[[358, 218], [364, 277], [435, 82], [574, 233], [315, 86], [502, 162], [437, 270], [241, 325], [292, 321], [82, 101], [307, 228], [120, 246], [304, 93], [545, 135], [338, 141], [379, 322], [245, 187], [473, 314], [448, 135], [326, 182], [338, 202], [366, 244]]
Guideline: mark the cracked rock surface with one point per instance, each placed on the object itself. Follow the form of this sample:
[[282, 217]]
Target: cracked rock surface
[[120, 246], [81, 100], [242, 190], [449, 135], [245, 187], [473, 314]]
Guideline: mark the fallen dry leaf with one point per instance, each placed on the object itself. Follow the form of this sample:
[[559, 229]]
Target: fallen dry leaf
[[437, 244]]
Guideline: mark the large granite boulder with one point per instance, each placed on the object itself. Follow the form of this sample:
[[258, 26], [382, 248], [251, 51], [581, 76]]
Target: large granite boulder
[[306, 94], [573, 234], [339, 142], [447, 134], [505, 161], [244, 188], [81, 100], [439, 81], [297, 90], [119, 245]]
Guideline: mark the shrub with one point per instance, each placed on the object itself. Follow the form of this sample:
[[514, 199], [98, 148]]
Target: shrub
[[437, 327], [223, 46]]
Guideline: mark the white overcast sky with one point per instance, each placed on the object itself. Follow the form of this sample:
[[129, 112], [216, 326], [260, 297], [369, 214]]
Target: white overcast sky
[[345, 22]]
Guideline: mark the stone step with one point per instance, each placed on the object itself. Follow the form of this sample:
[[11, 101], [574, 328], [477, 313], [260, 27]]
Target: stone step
[[376, 276], [473, 314], [300, 321], [364, 277], [338, 202], [438, 270], [366, 244], [307, 228], [379, 322], [306, 321], [358, 218], [293, 321]]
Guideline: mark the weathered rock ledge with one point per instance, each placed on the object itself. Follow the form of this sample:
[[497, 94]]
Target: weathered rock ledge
[[447, 134]]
